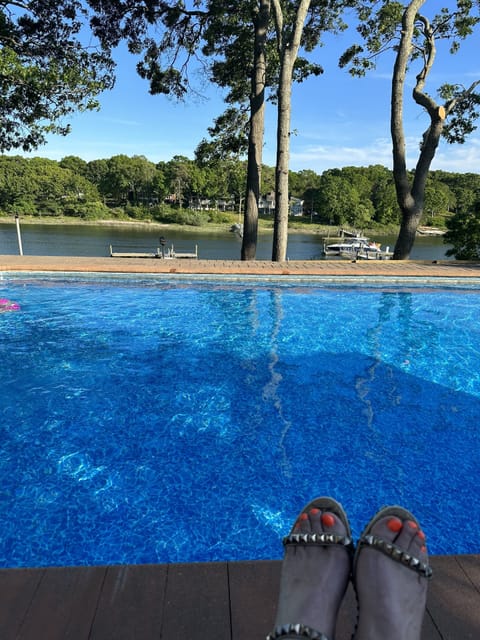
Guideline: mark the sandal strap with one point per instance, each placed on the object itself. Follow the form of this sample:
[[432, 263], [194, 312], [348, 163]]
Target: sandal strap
[[396, 553], [322, 539], [298, 630]]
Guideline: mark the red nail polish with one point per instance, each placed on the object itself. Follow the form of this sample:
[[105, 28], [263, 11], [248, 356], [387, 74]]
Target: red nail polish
[[303, 517], [394, 524], [421, 535], [412, 525], [328, 520], [314, 511]]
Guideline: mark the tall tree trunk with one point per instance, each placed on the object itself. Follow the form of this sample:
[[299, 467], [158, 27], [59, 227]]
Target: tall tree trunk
[[255, 136], [411, 197], [280, 229], [288, 44]]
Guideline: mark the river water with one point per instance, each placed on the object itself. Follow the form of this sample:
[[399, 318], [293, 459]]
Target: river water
[[95, 241]]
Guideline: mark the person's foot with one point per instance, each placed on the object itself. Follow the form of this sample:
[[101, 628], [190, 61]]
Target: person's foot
[[390, 577], [315, 569]]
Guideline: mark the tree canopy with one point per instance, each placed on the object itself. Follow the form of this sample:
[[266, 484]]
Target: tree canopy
[[46, 70]]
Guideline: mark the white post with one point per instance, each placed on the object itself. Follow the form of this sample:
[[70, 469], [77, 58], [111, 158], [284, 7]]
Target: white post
[[19, 235]]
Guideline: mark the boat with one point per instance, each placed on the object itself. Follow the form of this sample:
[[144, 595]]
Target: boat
[[357, 248], [348, 246]]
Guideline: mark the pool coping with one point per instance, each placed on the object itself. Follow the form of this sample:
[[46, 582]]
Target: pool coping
[[327, 268]]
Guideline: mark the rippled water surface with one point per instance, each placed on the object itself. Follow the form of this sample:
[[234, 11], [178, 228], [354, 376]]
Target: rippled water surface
[[181, 420]]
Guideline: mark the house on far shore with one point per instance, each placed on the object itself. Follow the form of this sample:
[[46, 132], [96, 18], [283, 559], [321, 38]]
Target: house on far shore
[[266, 204], [296, 207]]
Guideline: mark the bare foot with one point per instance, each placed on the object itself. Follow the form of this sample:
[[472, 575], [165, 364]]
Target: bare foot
[[390, 577], [315, 568]]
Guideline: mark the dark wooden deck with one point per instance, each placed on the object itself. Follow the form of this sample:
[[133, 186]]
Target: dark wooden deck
[[203, 601]]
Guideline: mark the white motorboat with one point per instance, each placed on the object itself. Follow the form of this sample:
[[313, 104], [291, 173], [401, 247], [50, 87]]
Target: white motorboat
[[347, 246], [357, 247]]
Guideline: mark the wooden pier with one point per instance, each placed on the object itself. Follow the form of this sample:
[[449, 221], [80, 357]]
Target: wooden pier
[[201, 601], [164, 254]]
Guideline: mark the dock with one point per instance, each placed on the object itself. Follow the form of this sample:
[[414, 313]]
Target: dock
[[200, 601], [164, 254]]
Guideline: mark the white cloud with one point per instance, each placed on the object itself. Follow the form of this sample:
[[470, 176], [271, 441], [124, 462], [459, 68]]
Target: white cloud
[[319, 157]]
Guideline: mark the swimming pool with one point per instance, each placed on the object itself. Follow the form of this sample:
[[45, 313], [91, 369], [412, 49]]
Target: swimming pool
[[184, 419]]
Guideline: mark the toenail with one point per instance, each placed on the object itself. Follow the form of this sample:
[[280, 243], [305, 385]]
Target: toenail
[[423, 549], [314, 511], [394, 524], [328, 520], [304, 517], [421, 535], [412, 525]]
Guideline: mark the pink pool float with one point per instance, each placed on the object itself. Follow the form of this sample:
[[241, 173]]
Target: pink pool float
[[8, 305]]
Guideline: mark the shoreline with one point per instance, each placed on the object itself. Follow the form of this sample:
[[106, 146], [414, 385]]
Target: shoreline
[[313, 229]]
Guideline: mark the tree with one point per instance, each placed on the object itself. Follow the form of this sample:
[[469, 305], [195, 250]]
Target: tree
[[464, 235], [184, 178], [46, 72], [75, 164], [38, 186], [128, 179], [439, 199], [413, 37], [238, 33], [337, 198], [298, 23]]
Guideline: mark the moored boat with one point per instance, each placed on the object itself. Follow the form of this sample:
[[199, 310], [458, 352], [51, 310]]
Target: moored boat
[[357, 247]]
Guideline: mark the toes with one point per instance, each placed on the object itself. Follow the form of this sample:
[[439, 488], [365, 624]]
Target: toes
[[387, 528], [303, 524], [316, 521], [331, 523], [412, 539], [404, 533]]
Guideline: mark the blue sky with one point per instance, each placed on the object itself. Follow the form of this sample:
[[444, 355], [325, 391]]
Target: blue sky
[[337, 120]]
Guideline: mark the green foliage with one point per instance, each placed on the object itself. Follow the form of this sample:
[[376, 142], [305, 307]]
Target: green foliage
[[464, 235], [186, 217], [165, 34], [462, 117], [87, 210], [38, 186], [355, 196], [46, 73], [221, 217]]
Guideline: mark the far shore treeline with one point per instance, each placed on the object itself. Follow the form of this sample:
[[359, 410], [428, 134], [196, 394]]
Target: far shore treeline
[[189, 192]]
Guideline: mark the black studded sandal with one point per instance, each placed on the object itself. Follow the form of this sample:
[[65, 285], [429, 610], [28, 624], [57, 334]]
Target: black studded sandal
[[323, 539], [298, 630], [389, 548], [367, 539]]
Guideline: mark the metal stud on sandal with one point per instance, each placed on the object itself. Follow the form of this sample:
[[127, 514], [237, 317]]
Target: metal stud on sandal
[[296, 631]]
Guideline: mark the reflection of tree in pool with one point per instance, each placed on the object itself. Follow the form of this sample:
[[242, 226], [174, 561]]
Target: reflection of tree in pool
[[271, 392], [397, 338]]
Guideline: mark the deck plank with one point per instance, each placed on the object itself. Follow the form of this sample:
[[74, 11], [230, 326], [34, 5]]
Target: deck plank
[[131, 603], [253, 596], [201, 601], [17, 590], [197, 602], [63, 604], [454, 601]]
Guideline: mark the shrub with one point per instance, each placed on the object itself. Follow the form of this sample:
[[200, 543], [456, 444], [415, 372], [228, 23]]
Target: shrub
[[222, 217]]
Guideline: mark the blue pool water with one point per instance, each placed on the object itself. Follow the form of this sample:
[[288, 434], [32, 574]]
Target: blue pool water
[[189, 420]]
